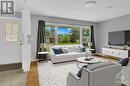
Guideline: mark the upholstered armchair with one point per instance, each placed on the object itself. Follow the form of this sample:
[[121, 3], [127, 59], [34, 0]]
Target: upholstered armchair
[[101, 74]]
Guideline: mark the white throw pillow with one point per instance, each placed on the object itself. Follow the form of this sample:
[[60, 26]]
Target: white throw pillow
[[72, 49], [65, 50]]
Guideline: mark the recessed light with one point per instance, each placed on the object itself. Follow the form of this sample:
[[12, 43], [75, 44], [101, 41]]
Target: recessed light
[[90, 4]]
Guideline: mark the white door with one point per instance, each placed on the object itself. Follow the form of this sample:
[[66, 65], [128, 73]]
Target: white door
[[26, 47], [10, 37]]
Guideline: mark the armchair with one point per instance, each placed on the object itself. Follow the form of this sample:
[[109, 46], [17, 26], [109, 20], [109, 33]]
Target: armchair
[[102, 74]]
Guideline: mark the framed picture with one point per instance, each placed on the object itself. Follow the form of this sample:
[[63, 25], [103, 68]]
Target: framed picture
[[11, 32]]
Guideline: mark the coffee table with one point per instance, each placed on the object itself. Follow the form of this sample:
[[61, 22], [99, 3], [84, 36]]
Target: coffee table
[[86, 62]]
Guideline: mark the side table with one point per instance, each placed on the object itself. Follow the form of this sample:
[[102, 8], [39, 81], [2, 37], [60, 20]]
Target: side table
[[43, 56]]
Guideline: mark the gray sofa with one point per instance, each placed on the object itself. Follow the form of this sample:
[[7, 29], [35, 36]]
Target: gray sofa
[[72, 53], [101, 74]]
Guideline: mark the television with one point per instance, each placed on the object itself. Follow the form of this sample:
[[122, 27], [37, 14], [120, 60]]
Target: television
[[119, 38]]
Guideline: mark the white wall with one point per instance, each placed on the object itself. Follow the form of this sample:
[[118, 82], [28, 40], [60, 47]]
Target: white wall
[[117, 24], [9, 51]]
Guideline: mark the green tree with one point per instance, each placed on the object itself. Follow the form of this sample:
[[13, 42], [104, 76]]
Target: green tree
[[74, 36]]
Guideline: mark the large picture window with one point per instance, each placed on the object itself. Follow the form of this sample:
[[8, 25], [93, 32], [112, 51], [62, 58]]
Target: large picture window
[[67, 34]]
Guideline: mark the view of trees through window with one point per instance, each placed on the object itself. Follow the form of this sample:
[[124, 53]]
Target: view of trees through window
[[65, 35], [50, 34], [86, 35], [68, 35]]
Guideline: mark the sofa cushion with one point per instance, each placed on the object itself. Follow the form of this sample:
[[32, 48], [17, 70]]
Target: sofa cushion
[[73, 48], [57, 50], [70, 48], [70, 55], [65, 50]]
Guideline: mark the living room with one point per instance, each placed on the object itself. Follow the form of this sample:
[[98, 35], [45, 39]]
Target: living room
[[67, 43]]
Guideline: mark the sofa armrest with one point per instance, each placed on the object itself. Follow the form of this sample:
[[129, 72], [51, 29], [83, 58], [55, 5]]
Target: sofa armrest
[[52, 53], [52, 56]]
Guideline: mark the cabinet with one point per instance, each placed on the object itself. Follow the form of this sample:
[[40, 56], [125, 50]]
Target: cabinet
[[116, 52]]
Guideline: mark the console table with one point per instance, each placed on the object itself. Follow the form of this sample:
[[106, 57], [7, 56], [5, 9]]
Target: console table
[[120, 53]]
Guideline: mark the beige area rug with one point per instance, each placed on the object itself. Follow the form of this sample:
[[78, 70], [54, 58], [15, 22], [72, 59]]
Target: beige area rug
[[54, 74]]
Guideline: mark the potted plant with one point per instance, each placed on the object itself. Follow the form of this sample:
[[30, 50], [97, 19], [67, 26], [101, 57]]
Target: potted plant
[[43, 47]]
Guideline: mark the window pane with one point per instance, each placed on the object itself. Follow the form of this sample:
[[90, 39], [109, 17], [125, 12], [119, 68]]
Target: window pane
[[68, 35], [50, 35], [86, 34]]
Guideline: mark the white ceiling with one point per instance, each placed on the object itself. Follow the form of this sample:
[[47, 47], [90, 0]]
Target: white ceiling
[[75, 9]]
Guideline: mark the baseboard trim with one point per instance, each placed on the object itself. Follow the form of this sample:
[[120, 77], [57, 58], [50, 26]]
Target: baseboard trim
[[13, 66]]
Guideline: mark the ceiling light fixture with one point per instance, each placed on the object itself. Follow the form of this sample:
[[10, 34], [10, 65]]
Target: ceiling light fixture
[[109, 7], [90, 4]]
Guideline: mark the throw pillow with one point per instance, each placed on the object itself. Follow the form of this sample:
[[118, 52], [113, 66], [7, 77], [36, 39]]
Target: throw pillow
[[57, 50], [124, 61], [65, 50], [81, 48]]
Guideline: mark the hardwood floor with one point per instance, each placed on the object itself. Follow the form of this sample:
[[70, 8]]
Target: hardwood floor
[[123, 85], [33, 78]]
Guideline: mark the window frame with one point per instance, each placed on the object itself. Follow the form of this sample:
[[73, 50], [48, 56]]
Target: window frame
[[68, 25]]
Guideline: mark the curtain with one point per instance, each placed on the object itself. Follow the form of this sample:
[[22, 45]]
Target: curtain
[[93, 39], [40, 35]]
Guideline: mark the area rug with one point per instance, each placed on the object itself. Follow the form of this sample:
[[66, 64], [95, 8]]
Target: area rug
[[54, 74]]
